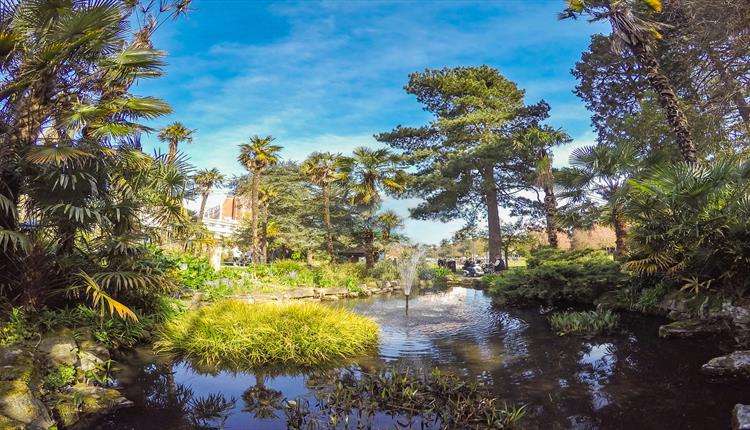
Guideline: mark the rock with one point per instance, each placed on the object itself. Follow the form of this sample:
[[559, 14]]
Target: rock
[[265, 298], [741, 417], [387, 284], [59, 348], [11, 424], [91, 356], [736, 364], [300, 293], [692, 328], [335, 291], [739, 315], [16, 364], [99, 399], [197, 298], [17, 402], [329, 298]]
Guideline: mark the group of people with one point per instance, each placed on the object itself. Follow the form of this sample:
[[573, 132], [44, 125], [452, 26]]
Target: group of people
[[474, 268], [240, 258]]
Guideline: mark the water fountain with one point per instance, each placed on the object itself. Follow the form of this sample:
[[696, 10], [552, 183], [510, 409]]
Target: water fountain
[[408, 271]]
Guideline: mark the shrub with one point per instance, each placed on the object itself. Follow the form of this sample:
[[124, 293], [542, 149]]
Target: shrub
[[385, 270], [111, 332], [233, 333], [59, 377], [692, 223], [15, 330], [587, 322], [553, 275], [196, 271], [439, 275]]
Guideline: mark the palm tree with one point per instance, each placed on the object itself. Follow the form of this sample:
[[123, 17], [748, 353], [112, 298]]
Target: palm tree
[[206, 180], [174, 134], [68, 118], [388, 222], [632, 28], [598, 177], [370, 171], [539, 141], [266, 195], [256, 156], [323, 169]]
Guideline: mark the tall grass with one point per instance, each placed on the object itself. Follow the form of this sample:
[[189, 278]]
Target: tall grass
[[236, 334], [588, 322]]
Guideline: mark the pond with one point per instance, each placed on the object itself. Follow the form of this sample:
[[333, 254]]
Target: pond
[[625, 381]]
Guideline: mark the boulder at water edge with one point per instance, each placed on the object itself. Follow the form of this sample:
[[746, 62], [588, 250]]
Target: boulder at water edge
[[736, 364]]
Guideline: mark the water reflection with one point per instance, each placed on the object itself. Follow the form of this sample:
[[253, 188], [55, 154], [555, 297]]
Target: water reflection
[[632, 380]]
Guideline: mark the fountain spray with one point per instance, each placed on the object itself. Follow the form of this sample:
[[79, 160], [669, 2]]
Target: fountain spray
[[408, 271]]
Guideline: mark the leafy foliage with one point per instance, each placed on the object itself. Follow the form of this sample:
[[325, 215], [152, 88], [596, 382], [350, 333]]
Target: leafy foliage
[[557, 276], [691, 222], [587, 322]]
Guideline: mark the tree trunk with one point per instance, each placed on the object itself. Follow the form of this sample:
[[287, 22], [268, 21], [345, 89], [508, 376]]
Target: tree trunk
[[493, 214], [621, 233], [204, 199], [254, 215], [731, 85], [327, 219], [369, 249], [550, 212], [264, 236], [669, 102], [172, 150], [309, 257]]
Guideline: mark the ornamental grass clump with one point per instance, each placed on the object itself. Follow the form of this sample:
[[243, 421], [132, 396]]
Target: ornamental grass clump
[[587, 322], [239, 335]]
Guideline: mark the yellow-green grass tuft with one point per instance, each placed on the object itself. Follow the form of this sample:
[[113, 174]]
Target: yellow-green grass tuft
[[240, 335]]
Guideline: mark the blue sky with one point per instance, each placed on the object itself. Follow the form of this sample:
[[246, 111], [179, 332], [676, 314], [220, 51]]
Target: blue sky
[[326, 76]]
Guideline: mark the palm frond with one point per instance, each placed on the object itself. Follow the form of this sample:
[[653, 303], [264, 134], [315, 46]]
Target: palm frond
[[104, 301]]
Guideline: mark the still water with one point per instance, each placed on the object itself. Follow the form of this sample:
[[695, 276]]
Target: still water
[[632, 380]]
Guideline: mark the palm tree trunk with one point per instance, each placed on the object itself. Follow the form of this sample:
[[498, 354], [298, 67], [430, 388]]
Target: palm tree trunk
[[493, 214], [669, 102], [172, 150], [621, 233], [264, 236], [369, 249], [204, 199], [327, 219], [254, 214], [550, 212]]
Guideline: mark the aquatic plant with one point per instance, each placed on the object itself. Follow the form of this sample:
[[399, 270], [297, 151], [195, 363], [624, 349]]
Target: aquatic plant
[[236, 334], [412, 399], [587, 322]]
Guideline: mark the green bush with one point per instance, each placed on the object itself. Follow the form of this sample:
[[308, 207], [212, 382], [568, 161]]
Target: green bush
[[110, 331], [237, 334], [15, 330], [385, 270], [438, 275], [587, 322], [59, 377], [554, 275]]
